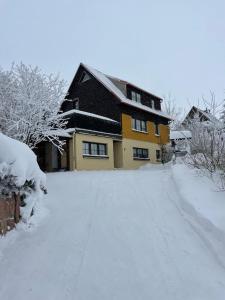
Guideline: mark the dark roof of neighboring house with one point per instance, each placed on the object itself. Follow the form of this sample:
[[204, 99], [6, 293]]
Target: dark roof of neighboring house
[[118, 88]]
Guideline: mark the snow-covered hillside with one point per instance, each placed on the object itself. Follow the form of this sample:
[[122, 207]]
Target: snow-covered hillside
[[123, 235]]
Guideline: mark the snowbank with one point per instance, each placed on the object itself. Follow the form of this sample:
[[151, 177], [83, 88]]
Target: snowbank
[[19, 161], [201, 193]]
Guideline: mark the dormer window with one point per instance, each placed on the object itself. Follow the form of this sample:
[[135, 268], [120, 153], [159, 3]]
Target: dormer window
[[152, 103], [84, 77], [135, 97]]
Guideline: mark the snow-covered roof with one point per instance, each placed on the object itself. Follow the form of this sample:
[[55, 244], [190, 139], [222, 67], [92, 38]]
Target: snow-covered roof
[[146, 108], [180, 135], [208, 115], [200, 112], [85, 113], [59, 132], [105, 80]]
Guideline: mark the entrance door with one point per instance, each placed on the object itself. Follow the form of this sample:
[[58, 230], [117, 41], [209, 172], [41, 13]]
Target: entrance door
[[118, 154]]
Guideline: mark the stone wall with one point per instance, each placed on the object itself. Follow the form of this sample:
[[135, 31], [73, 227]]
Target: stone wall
[[9, 212]]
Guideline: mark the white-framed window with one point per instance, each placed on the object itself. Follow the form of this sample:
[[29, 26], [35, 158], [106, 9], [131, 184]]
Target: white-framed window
[[140, 153], [84, 77], [135, 96], [139, 125], [152, 103], [157, 130]]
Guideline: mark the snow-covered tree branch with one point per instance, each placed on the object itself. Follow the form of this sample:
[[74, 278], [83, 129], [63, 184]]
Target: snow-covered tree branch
[[208, 141], [29, 105], [171, 108]]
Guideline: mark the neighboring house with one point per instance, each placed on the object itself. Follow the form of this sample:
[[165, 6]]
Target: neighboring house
[[180, 141], [203, 115], [112, 124]]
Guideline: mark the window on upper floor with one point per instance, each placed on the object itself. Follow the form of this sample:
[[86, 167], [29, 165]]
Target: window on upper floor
[[75, 103], [84, 77], [157, 131], [152, 103], [140, 153], [135, 97], [139, 125]]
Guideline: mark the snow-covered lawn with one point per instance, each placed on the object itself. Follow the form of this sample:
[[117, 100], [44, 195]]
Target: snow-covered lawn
[[123, 235]]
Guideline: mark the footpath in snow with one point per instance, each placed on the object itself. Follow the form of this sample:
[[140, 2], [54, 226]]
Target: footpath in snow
[[123, 235]]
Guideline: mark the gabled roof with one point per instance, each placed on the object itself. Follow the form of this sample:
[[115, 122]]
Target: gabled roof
[[208, 116], [109, 85]]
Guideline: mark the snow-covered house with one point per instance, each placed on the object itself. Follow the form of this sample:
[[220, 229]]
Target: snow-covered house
[[180, 141], [203, 115], [112, 124]]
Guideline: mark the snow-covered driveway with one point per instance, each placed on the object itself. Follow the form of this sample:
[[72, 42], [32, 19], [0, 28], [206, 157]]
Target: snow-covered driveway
[[119, 235]]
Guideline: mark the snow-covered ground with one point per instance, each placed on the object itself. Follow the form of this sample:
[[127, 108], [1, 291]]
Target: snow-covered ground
[[119, 235]]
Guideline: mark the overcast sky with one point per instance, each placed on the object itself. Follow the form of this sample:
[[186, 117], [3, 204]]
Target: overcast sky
[[163, 46]]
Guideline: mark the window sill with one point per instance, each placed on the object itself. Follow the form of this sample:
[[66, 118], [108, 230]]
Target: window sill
[[145, 132], [96, 156], [157, 134], [139, 158]]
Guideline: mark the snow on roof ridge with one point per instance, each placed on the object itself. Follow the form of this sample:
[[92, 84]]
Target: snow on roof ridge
[[117, 92], [85, 113], [105, 81], [146, 108], [180, 134]]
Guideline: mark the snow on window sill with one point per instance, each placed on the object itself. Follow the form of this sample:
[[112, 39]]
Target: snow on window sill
[[95, 156], [141, 131]]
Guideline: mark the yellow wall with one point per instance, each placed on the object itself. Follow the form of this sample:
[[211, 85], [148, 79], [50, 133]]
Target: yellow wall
[[150, 136], [128, 145], [91, 163]]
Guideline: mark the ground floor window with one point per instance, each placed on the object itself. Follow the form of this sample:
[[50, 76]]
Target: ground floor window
[[158, 154], [95, 149], [140, 153]]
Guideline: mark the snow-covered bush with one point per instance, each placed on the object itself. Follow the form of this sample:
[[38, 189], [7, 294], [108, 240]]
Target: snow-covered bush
[[208, 148], [19, 172], [29, 105], [223, 114], [166, 153]]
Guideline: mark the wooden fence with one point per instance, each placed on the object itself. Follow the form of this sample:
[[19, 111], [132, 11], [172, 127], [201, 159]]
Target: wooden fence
[[9, 212]]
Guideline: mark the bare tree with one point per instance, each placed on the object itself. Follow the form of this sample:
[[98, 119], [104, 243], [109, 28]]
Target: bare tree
[[171, 108]]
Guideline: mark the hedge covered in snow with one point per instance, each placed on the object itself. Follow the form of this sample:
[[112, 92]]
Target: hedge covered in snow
[[20, 173]]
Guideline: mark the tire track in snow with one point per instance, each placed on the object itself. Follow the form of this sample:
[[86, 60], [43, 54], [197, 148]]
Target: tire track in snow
[[96, 196], [161, 246]]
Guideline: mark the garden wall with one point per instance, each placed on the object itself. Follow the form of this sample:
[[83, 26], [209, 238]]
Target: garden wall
[[9, 212]]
